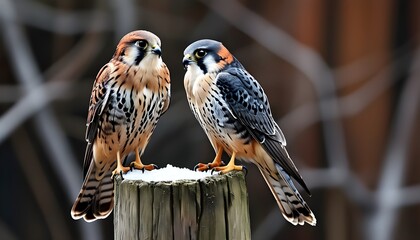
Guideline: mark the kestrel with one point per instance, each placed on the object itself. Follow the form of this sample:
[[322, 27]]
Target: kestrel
[[234, 112], [128, 97]]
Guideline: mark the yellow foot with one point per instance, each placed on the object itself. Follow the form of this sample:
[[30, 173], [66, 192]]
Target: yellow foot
[[120, 170], [208, 166], [230, 167], [142, 167]]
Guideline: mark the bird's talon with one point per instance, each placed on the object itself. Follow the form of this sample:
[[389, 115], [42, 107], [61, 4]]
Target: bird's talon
[[229, 168], [140, 166], [202, 167], [132, 166]]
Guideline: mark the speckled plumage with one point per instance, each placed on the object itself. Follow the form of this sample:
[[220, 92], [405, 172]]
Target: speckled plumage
[[128, 97], [234, 111]]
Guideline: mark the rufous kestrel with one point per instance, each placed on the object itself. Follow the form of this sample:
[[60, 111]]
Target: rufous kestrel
[[129, 95]]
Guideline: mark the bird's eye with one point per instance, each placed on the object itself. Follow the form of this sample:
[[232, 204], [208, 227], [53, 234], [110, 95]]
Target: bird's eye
[[141, 44], [200, 53]]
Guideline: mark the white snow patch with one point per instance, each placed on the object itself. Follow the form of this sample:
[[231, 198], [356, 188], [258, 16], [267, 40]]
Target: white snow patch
[[169, 173]]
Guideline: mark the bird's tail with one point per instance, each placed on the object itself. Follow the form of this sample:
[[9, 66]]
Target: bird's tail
[[291, 203], [96, 198]]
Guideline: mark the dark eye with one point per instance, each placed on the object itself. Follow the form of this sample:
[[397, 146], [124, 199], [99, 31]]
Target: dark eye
[[141, 44], [200, 53]]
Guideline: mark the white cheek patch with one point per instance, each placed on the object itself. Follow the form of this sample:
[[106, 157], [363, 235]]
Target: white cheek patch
[[130, 56], [149, 60], [194, 71], [211, 64]]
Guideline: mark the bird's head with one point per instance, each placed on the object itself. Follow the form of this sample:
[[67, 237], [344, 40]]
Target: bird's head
[[139, 48], [205, 56]]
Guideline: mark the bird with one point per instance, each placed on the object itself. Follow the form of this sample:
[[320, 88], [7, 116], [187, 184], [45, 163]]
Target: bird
[[129, 95], [234, 112]]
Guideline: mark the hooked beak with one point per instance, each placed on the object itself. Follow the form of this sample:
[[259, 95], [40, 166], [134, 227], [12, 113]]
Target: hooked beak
[[156, 50], [186, 61]]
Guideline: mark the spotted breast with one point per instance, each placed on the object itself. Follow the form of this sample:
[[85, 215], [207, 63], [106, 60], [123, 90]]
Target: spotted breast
[[128, 97]]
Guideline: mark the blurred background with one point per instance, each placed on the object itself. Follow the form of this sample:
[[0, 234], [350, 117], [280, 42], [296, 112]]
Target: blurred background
[[342, 76]]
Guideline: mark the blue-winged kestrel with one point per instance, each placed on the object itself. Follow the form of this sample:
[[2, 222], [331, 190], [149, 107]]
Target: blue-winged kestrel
[[129, 95], [234, 112]]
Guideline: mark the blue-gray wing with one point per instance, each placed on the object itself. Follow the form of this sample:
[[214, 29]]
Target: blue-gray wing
[[249, 105]]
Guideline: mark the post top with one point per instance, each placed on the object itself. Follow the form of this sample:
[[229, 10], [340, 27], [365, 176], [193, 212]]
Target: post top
[[167, 174]]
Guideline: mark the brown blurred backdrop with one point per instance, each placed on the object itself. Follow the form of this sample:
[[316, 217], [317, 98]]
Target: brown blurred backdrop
[[342, 76]]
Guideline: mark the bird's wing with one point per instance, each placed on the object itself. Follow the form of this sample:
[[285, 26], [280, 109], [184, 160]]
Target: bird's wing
[[98, 101], [249, 104]]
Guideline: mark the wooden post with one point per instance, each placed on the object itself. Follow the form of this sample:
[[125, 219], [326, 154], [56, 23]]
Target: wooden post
[[215, 207]]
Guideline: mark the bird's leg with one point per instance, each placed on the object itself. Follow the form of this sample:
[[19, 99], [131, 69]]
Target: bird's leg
[[231, 166], [216, 162], [120, 168], [137, 164]]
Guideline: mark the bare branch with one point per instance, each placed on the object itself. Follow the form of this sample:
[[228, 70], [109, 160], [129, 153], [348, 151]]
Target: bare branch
[[36, 14], [124, 15], [47, 127], [408, 196], [304, 116], [41, 188], [29, 105], [381, 223]]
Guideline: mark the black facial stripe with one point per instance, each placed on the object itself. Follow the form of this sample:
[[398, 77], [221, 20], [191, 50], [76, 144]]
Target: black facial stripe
[[202, 66], [200, 62], [139, 57]]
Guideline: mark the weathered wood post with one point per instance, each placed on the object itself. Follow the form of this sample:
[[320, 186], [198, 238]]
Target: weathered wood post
[[212, 207]]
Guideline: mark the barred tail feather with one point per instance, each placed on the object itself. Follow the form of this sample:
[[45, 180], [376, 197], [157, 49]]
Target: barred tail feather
[[96, 198], [293, 207]]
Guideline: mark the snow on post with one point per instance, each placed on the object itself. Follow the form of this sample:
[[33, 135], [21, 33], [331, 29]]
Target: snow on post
[[178, 203]]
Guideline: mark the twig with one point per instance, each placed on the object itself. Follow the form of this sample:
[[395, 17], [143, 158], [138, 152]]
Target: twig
[[304, 116], [381, 223], [362, 68], [124, 15], [78, 59], [53, 139], [29, 105], [408, 196], [41, 188], [36, 14]]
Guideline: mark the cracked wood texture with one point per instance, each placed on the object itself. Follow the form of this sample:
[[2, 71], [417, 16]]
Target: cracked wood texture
[[214, 207]]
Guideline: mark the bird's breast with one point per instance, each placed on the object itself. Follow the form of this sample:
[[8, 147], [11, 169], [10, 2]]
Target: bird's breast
[[131, 115], [215, 116]]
